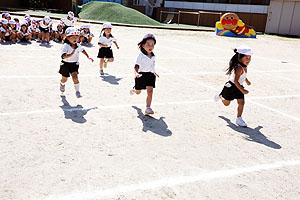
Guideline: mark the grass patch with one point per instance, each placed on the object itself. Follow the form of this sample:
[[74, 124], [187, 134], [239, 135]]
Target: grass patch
[[113, 12]]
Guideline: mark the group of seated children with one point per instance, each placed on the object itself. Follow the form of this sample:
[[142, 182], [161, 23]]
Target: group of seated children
[[40, 30]]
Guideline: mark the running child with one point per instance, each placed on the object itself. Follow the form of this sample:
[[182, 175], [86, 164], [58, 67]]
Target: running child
[[145, 75], [70, 57], [85, 35], [105, 42], [234, 88]]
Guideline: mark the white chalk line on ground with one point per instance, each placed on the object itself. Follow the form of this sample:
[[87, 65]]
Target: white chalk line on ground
[[172, 181], [102, 107], [164, 74], [258, 104], [274, 110]]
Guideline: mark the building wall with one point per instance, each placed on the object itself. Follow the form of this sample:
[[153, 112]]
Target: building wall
[[11, 4], [256, 20], [284, 17]]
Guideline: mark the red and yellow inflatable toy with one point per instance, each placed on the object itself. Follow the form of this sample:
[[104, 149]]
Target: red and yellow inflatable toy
[[230, 25]]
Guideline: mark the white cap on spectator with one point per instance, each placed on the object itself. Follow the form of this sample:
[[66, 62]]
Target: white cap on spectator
[[12, 22], [4, 21], [70, 14], [47, 19]]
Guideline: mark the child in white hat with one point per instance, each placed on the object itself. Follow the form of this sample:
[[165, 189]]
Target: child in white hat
[[85, 34], [45, 28], [24, 33], [13, 26], [234, 88], [59, 32], [70, 57], [5, 31], [69, 21], [145, 74], [105, 42]]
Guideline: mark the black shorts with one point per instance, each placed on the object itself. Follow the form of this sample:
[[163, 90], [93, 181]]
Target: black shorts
[[105, 52], [45, 30], [231, 92], [67, 68], [147, 79]]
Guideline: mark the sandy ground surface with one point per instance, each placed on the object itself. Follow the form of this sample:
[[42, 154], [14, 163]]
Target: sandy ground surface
[[101, 146]]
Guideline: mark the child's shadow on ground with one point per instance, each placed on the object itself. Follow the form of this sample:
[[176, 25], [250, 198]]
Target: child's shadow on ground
[[47, 45], [111, 79], [157, 126], [253, 135], [87, 44], [75, 113]]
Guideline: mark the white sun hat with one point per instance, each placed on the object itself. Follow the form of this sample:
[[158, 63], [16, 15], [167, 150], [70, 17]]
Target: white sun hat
[[12, 22], [4, 21], [47, 19], [107, 25], [243, 49], [72, 31], [149, 35], [85, 26], [70, 14]]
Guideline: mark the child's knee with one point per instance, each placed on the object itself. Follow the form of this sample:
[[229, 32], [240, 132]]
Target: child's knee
[[138, 91]]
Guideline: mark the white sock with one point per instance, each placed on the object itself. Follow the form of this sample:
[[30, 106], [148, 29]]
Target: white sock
[[76, 87], [62, 83]]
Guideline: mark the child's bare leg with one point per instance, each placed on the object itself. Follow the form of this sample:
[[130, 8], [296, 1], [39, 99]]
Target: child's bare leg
[[110, 60], [149, 96], [101, 63], [241, 103], [63, 79], [75, 77], [138, 91]]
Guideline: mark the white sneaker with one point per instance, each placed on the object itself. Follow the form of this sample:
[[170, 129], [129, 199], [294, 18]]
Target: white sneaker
[[217, 97], [132, 91], [149, 111], [239, 121]]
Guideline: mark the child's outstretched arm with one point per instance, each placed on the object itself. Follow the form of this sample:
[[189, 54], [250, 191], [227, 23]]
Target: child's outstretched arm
[[117, 45], [248, 82], [85, 53], [136, 71]]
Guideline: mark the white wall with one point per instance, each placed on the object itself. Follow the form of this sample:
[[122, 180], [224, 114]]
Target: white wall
[[284, 17], [262, 9]]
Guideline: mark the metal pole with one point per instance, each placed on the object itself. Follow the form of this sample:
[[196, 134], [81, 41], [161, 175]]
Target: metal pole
[[198, 18], [160, 16], [178, 17]]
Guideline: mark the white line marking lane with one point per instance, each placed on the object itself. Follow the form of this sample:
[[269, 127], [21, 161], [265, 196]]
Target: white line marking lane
[[102, 107], [173, 181]]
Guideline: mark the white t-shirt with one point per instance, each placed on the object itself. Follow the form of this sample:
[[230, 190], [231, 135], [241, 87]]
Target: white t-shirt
[[68, 49], [68, 22], [106, 41], [145, 63], [242, 78], [26, 33], [3, 30]]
